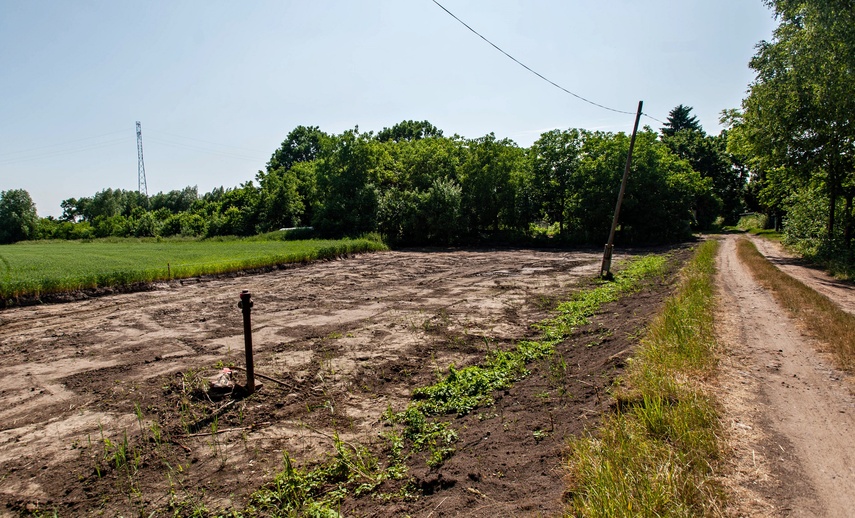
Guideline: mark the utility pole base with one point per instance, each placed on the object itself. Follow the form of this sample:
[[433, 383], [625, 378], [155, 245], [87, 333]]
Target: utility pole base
[[605, 269]]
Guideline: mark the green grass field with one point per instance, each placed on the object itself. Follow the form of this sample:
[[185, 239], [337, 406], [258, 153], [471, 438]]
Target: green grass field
[[35, 268]]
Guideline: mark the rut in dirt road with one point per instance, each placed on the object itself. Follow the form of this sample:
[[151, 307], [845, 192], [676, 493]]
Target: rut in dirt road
[[841, 292], [796, 419]]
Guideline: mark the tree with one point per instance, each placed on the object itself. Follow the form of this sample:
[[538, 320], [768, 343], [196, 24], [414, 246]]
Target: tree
[[661, 194], [487, 181], [679, 119], [238, 211], [71, 210], [346, 182], [555, 158], [409, 130], [440, 210], [175, 201], [303, 144], [18, 217], [708, 155], [280, 204], [798, 115], [418, 163]]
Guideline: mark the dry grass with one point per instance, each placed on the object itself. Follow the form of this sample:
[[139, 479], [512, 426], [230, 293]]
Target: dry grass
[[824, 319]]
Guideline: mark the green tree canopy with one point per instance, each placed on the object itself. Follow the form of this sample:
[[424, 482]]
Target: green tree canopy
[[175, 201], [409, 130], [662, 193], [487, 177], [680, 119], [555, 159], [18, 217], [708, 155], [303, 144], [798, 116], [347, 185]]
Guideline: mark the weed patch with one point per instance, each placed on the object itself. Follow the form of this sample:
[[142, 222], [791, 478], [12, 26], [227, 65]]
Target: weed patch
[[463, 390], [654, 455], [424, 426], [318, 492]]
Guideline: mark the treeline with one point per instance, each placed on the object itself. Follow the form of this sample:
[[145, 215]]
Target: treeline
[[416, 186], [796, 128]]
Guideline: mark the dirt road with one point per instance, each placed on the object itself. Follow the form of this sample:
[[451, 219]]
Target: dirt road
[[790, 413], [840, 292]]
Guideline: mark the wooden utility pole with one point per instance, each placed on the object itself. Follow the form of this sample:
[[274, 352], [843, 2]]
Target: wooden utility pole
[[605, 270]]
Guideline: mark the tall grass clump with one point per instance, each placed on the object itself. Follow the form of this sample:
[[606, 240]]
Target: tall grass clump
[[830, 324], [655, 455], [317, 492]]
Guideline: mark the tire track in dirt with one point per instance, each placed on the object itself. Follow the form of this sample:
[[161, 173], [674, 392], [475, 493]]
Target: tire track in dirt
[[790, 415], [841, 292]]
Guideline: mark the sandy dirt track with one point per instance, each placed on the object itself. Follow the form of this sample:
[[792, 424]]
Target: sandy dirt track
[[790, 413]]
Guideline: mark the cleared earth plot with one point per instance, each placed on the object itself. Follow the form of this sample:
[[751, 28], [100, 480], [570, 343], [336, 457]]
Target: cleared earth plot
[[104, 407]]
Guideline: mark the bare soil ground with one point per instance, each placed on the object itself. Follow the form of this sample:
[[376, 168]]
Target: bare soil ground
[[790, 413], [120, 377]]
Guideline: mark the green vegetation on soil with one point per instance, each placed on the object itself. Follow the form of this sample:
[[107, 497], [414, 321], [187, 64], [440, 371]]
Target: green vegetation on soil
[[655, 455], [425, 425], [36, 268]]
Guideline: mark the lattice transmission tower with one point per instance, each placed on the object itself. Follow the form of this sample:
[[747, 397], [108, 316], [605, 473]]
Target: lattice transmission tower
[[142, 188]]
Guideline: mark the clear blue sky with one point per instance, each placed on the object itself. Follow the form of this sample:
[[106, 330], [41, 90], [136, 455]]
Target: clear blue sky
[[218, 85]]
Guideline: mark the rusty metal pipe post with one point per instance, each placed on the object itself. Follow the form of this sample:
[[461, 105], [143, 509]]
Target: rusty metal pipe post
[[245, 305]]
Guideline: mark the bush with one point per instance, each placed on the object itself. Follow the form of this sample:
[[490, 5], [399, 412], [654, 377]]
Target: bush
[[805, 224]]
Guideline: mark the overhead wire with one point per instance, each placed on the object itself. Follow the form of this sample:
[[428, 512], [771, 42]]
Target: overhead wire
[[538, 74], [60, 143], [192, 147], [54, 154], [202, 141], [65, 147]]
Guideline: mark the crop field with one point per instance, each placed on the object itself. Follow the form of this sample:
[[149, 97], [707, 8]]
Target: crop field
[[429, 382], [37, 268]]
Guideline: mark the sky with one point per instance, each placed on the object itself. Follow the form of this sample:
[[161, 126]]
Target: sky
[[218, 85]]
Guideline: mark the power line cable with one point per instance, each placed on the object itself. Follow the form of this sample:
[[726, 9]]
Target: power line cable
[[182, 145], [538, 74], [60, 143], [53, 154], [155, 130]]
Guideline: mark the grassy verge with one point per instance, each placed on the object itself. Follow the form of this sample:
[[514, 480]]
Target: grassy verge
[[755, 224], [826, 321], [655, 455], [426, 425], [35, 268], [767, 233]]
